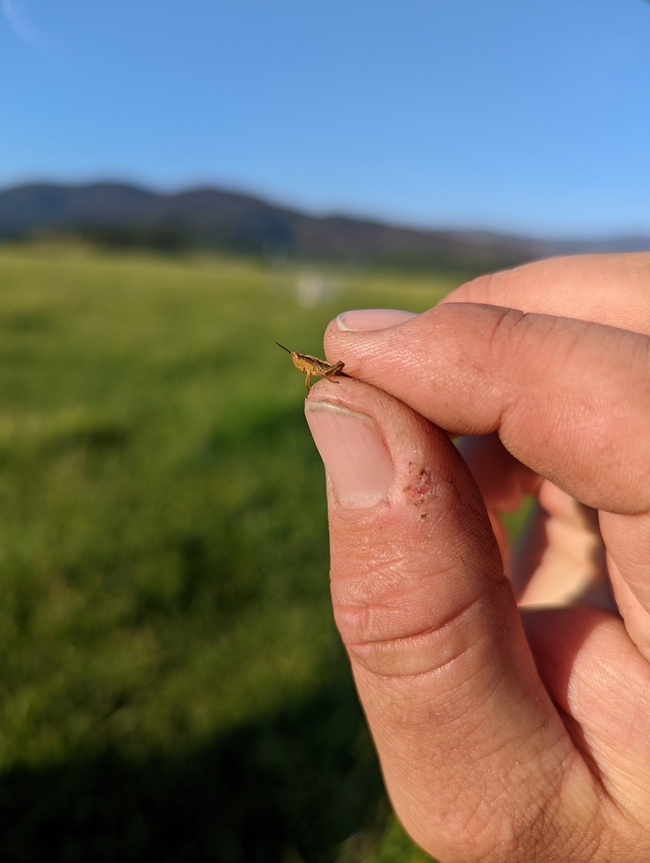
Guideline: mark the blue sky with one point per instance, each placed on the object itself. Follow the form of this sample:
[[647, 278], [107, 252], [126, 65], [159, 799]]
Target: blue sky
[[531, 116]]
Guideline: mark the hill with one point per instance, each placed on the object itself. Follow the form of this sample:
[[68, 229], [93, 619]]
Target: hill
[[122, 215]]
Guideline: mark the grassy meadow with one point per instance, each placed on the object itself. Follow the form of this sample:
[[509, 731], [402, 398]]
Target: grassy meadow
[[172, 686]]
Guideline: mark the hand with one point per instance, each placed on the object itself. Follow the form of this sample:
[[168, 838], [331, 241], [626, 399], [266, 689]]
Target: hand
[[506, 731]]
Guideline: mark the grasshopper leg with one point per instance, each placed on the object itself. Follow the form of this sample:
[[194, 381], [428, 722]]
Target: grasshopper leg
[[330, 373]]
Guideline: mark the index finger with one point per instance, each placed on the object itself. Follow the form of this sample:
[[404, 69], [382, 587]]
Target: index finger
[[568, 398], [605, 289]]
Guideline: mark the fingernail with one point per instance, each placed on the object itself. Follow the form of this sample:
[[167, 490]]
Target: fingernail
[[356, 457], [364, 320]]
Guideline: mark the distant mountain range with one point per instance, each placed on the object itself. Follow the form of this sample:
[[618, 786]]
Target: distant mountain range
[[123, 215]]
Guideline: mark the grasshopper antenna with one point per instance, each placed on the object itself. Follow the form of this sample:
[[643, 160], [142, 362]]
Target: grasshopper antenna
[[283, 348]]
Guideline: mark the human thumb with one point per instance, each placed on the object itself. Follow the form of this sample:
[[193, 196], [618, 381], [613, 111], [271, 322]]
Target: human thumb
[[469, 742]]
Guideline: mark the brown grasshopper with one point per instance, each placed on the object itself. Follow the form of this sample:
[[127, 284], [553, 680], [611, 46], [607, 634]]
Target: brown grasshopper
[[313, 367]]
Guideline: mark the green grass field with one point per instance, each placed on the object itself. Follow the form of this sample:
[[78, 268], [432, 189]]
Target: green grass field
[[172, 685]]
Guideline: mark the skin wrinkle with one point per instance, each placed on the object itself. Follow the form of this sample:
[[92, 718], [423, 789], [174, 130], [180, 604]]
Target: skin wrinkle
[[586, 841], [583, 745], [636, 562], [488, 813], [558, 326], [584, 748], [390, 562], [487, 286], [494, 419], [372, 585], [636, 350], [437, 629], [535, 818], [450, 843], [604, 687], [449, 713], [590, 739], [559, 477], [467, 724], [620, 783], [421, 715], [541, 820], [518, 403], [356, 610], [490, 806], [561, 423], [644, 348], [613, 812], [472, 726], [549, 287], [479, 828], [600, 413]]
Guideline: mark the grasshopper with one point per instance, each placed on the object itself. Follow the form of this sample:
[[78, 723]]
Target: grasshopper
[[313, 367]]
